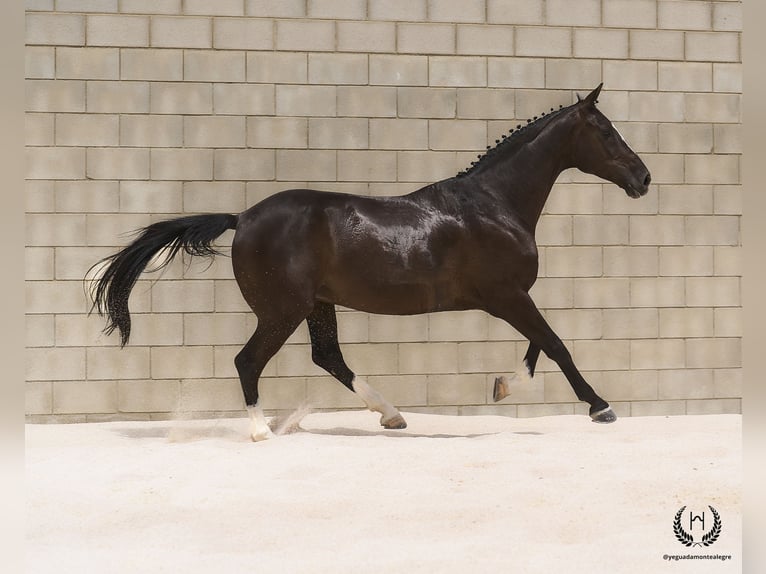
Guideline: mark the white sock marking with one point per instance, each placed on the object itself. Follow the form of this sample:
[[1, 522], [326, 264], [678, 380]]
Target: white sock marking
[[259, 428], [373, 399], [523, 372]]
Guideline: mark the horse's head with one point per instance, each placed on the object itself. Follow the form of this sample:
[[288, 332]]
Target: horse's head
[[602, 151]]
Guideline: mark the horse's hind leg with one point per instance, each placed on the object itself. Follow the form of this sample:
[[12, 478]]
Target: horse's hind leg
[[521, 312], [269, 336], [325, 351]]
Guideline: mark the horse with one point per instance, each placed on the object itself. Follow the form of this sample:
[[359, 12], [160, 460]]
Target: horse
[[466, 242]]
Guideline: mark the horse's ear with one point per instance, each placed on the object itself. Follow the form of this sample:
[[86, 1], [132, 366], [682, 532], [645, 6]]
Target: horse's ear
[[592, 98]]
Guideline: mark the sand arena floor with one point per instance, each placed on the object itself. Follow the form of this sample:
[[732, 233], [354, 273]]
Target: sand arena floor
[[448, 494]]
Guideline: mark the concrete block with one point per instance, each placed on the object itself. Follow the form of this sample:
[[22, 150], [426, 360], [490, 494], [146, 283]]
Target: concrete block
[[485, 40], [87, 63], [728, 138], [378, 359], [245, 164], [243, 99], [713, 108], [396, 134], [727, 383], [684, 323], [305, 35], [629, 385], [457, 390], [220, 8], [409, 10], [39, 195], [283, 392], [181, 98], [151, 131], [630, 14], [573, 262], [657, 354], [216, 329], [685, 384], [479, 103], [217, 395], [603, 355], [150, 6], [242, 34], [306, 100], [214, 66], [456, 10], [600, 229], [530, 103], [86, 5], [685, 76], [712, 230], [182, 296], [276, 132], [544, 42], [550, 293], [87, 130], [55, 29], [214, 131], [87, 196], [685, 138], [181, 164], [656, 107], [117, 163], [55, 364], [425, 38], [713, 291], [600, 43], [426, 102], [631, 324], [727, 199], [686, 261], [458, 326], [114, 30], [108, 229], [728, 322], [38, 263], [716, 169], [561, 13], [657, 230], [457, 134], [713, 46], [657, 292], [331, 10], [417, 166], [150, 196], [727, 261], [38, 5], [301, 165], [367, 101], [45, 297], [365, 36], [601, 293], [684, 15], [338, 69], [275, 8], [630, 75], [714, 353], [572, 74], [727, 77], [39, 129], [38, 398], [86, 397], [40, 62], [394, 329], [74, 262], [181, 362], [214, 197], [104, 363], [428, 358], [554, 230], [366, 165], [631, 261], [277, 67], [398, 70], [575, 323], [181, 32], [517, 12], [152, 64], [484, 357], [55, 163], [727, 16], [686, 199], [228, 298], [656, 45], [516, 72], [117, 97], [148, 396], [665, 168]]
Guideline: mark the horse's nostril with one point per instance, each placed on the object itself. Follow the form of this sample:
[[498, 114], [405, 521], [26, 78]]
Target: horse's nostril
[[648, 179]]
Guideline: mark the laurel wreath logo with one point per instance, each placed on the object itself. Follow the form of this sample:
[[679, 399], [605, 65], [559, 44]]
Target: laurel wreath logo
[[687, 539]]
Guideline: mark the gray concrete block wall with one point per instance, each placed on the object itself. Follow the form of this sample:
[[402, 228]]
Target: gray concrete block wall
[[142, 110]]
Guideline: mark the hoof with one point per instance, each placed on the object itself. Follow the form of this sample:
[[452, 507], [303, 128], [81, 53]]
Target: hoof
[[261, 436], [604, 416], [501, 389], [396, 422]]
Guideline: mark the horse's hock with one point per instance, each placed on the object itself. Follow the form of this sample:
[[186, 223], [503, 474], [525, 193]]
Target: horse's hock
[[136, 117]]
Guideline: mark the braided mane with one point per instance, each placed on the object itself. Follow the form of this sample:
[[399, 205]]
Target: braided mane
[[513, 140]]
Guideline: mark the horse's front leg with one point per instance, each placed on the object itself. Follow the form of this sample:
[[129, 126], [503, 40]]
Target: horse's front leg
[[525, 372], [518, 309]]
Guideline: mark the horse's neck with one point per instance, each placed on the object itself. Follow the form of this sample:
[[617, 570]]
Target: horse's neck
[[525, 179]]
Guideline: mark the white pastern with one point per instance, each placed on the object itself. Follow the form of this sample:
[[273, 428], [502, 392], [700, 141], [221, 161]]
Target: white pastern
[[259, 428], [374, 400], [523, 372]]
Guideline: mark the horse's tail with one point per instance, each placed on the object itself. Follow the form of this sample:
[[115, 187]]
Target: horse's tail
[[194, 234]]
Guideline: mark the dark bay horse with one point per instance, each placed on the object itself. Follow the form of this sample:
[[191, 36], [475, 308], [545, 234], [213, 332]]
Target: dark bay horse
[[467, 242]]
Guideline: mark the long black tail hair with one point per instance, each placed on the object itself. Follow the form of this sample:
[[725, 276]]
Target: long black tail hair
[[194, 234]]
